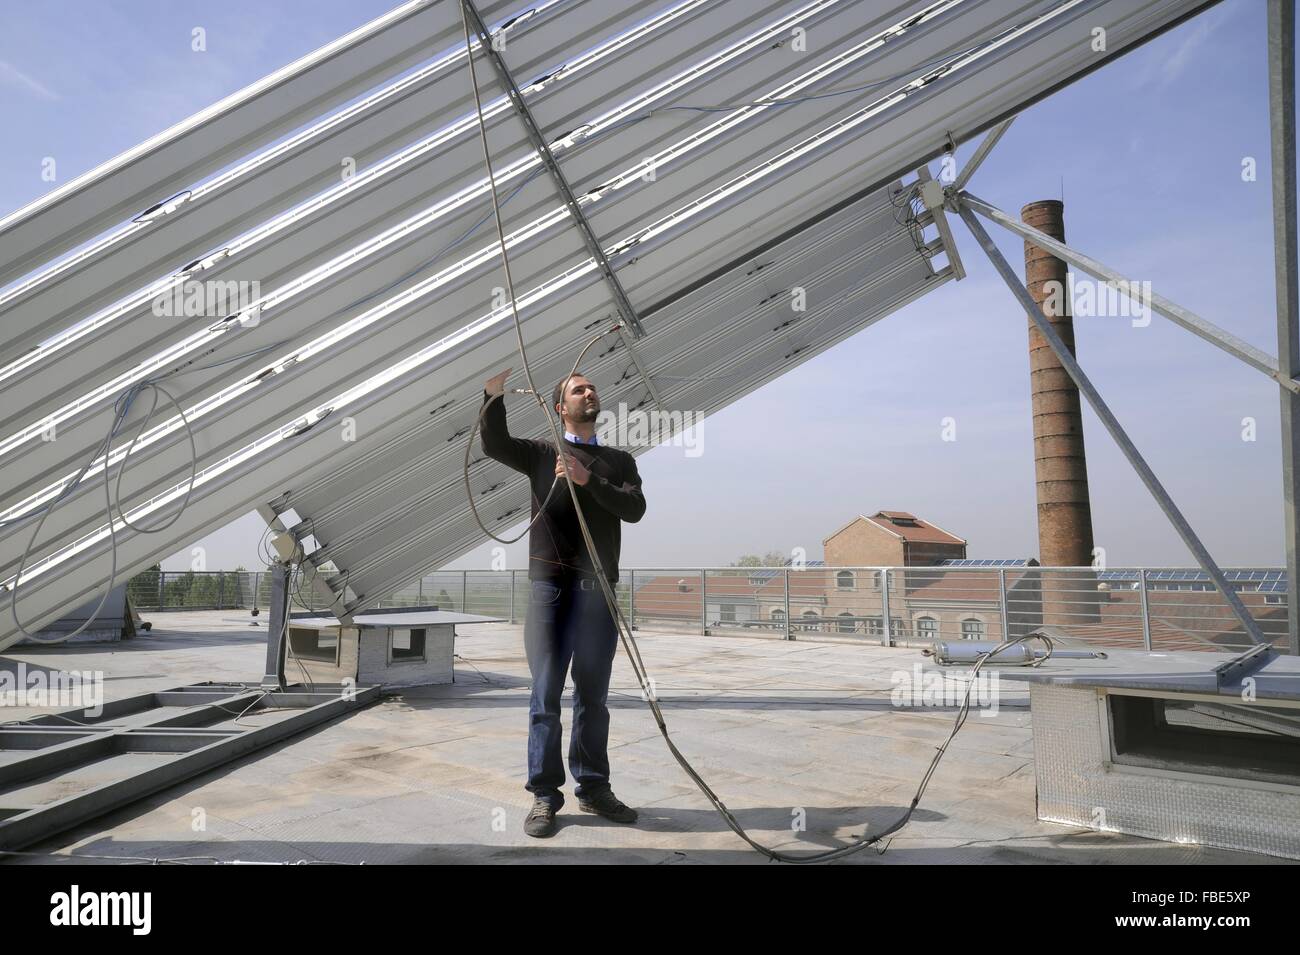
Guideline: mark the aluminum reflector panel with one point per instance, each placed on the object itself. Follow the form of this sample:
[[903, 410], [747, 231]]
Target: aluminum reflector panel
[[698, 137]]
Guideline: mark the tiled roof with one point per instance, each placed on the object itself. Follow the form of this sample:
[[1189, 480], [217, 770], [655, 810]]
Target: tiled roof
[[918, 532]]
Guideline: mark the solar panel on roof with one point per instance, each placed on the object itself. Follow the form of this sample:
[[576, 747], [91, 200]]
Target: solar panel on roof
[[698, 149]]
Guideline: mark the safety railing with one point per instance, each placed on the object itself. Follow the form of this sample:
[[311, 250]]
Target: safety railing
[[1155, 608]]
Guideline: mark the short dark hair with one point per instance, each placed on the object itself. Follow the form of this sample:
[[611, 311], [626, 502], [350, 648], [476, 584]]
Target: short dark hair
[[557, 392]]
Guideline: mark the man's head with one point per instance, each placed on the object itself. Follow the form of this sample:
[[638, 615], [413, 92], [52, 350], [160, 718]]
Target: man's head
[[575, 399]]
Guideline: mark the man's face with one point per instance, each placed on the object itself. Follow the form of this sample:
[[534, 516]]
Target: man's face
[[581, 405]]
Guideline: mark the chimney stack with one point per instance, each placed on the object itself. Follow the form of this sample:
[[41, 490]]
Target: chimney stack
[[1060, 466]]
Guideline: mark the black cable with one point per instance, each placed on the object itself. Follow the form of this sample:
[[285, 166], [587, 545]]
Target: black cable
[[624, 630]]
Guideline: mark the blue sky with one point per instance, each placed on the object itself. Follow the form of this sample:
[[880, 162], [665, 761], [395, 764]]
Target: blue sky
[[1148, 155]]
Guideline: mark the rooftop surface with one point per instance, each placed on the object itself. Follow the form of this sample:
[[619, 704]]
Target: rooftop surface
[[435, 774]]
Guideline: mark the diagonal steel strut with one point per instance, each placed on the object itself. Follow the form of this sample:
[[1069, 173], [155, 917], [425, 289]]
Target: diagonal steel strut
[[1176, 313], [1112, 425], [626, 312]]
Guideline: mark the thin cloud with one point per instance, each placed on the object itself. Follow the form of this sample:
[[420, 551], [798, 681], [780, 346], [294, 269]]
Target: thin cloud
[[1164, 71], [1175, 65], [10, 75]]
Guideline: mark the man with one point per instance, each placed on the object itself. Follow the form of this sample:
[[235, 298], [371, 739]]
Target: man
[[568, 618]]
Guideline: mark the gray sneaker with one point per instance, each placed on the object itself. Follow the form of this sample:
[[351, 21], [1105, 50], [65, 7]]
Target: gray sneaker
[[540, 821], [608, 805]]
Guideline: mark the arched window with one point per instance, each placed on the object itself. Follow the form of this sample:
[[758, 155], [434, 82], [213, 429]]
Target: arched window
[[972, 629], [811, 620], [847, 623], [845, 580], [927, 628]]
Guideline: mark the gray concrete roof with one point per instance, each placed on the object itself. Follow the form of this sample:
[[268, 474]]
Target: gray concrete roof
[[436, 774]]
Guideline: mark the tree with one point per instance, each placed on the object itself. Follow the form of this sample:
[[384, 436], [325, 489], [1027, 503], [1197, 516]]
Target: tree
[[143, 587], [773, 558]]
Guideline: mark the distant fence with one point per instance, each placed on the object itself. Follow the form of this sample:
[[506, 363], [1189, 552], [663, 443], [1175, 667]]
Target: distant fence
[[1155, 608]]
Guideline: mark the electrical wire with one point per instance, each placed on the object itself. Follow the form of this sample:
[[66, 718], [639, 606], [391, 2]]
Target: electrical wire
[[478, 422], [624, 631], [122, 407], [123, 403]]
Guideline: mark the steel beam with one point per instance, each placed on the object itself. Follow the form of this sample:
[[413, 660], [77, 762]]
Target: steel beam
[[981, 153], [1113, 426], [1175, 313], [1281, 98], [197, 751], [626, 312], [641, 368]]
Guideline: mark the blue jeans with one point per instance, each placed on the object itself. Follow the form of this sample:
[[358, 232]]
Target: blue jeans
[[568, 624]]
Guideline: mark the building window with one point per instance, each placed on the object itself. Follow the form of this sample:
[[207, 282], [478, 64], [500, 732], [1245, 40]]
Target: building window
[[847, 623], [927, 628], [845, 580], [972, 629], [408, 644], [308, 643], [728, 613], [811, 620]]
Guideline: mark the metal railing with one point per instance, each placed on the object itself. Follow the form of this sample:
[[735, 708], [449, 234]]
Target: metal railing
[[1135, 608]]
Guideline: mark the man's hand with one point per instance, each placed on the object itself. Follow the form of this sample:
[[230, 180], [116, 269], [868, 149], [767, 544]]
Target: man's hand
[[578, 473], [496, 385]]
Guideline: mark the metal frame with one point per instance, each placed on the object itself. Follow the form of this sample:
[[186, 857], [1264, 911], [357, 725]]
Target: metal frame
[[932, 194], [1281, 95], [981, 153], [167, 164], [1202, 328], [1116, 430], [54, 746], [626, 312], [751, 195]]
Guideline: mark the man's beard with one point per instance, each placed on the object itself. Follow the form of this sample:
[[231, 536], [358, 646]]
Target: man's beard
[[586, 413]]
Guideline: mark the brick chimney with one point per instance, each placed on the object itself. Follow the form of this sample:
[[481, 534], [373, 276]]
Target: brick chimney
[[1060, 465]]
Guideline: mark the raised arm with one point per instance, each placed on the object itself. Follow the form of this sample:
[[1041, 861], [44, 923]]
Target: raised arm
[[624, 501], [517, 453]]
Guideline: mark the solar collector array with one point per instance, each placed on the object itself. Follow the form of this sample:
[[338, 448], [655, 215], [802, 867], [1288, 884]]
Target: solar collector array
[[748, 178]]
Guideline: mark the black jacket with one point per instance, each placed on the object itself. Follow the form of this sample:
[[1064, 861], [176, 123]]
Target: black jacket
[[611, 495]]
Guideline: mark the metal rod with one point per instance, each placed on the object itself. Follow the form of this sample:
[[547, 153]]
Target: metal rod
[[621, 301], [1113, 426], [1281, 97], [1002, 599], [641, 368], [1175, 313], [277, 630], [789, 633], [981, 153], [1146, 611], [704, 602], [888, 640]]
